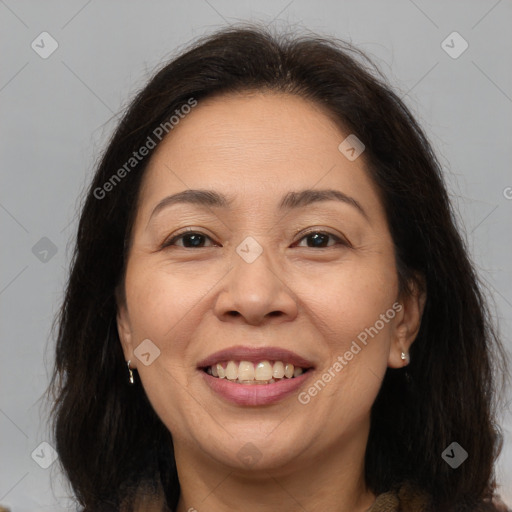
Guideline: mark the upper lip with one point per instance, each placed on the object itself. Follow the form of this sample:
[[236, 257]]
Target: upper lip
[[255, 355]]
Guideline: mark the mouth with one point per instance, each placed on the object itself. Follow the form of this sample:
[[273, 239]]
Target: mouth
[[261, 365], [255, 376], [251, 373]]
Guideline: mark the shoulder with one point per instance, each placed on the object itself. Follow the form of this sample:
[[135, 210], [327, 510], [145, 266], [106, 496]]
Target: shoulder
[[410, 498]]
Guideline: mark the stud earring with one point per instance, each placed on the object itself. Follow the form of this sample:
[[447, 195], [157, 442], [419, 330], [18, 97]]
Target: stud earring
[[405, 357], [130, 373]]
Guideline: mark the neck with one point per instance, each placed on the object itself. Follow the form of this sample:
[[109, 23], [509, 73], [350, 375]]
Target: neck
[[331, 480]]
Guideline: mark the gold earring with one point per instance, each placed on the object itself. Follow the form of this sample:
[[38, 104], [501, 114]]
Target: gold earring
[[130, 373]]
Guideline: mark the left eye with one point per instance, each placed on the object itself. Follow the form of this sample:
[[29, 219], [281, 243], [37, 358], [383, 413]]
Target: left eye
[[319, 238]]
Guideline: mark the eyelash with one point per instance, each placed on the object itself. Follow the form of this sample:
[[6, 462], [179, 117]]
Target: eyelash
[[190, 231]]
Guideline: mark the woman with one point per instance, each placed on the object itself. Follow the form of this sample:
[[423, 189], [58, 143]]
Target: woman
[[270, 306]]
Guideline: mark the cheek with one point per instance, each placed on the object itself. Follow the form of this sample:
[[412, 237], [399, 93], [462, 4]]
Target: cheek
[[352, 309], [351, 298], [164, 308], [162, 302]]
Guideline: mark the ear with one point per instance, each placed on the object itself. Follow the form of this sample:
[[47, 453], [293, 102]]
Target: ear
[[407, 322], [124, 329]]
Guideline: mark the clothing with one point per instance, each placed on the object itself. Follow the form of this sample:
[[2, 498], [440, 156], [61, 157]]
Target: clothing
[[406, 499]]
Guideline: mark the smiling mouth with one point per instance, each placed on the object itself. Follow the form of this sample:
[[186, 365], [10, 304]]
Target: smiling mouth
[[249, 373]]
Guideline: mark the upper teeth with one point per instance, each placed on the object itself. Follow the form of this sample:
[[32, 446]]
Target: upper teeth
[[248, 371]]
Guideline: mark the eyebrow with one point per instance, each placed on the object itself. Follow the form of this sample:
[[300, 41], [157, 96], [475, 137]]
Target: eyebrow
[[291, 200]]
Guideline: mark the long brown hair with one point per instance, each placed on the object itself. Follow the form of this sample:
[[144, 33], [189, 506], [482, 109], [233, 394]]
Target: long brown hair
[[110, 441]]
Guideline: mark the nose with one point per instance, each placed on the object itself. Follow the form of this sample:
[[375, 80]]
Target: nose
[[255, 293]]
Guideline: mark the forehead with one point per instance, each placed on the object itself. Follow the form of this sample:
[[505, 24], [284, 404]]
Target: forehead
[[255, 146]]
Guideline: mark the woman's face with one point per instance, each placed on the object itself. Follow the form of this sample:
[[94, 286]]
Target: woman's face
[[271, 275]]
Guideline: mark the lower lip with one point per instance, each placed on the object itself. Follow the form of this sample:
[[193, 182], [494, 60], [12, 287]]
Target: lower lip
[[255, 394]]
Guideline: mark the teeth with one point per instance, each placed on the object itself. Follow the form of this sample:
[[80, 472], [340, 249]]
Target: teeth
[[232, 371], [278, 370], [246, 372], [255, 382], [297, 371], [263, 371]]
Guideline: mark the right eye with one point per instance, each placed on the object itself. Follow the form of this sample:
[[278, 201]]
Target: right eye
[[194, 238]]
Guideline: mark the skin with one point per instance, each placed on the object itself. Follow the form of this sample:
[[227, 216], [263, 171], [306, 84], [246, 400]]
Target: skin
[[193, 301]]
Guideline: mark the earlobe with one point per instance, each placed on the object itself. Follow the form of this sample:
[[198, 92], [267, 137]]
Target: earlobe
[[408, 325], [400, 345]]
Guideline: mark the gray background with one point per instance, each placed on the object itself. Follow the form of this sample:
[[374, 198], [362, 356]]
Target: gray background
[[58, 112]]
